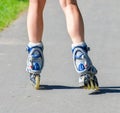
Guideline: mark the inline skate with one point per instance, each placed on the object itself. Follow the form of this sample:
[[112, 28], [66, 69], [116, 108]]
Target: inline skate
[[84, 66], [35, 62]]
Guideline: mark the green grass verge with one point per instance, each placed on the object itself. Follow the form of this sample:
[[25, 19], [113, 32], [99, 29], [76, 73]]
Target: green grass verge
[[9, 11]]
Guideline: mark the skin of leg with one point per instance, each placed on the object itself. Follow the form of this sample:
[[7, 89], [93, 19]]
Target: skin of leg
[[74, 20], [35, 20]]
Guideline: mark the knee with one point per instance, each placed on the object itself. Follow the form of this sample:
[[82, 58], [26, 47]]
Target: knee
[[39, 4], [33, 1], [68, 4]]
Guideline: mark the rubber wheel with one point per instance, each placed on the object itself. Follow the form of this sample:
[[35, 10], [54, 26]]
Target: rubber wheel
[[37, 85]]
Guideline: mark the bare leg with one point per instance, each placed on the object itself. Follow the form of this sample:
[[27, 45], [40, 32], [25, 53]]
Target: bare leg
[[81, 60], [74, 20], [35, 60], [35, 20]]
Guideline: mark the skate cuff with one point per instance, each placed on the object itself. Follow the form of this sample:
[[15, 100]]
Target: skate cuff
[[29, 49], [85, 48]]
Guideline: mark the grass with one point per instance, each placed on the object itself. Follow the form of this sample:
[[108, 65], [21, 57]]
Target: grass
[[9, 11]]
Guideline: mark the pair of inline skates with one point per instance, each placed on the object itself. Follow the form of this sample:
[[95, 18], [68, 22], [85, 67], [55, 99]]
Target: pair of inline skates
[[81, 61]]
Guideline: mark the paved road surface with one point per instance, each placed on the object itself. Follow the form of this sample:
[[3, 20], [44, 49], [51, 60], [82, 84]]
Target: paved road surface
[[60, 93]]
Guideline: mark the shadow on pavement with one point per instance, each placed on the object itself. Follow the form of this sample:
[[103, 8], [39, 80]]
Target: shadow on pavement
[[102, 90], [51, 87], [106, 90]]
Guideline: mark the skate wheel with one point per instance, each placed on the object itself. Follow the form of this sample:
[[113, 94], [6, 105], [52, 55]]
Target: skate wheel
[[92, 85], [96, 84], [96, 87], [37, 84]]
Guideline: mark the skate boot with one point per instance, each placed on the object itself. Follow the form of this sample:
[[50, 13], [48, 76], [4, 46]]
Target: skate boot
[[84, 66], [35, 62]]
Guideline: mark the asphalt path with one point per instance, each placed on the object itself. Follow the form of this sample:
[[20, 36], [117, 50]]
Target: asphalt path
[[59, 82]]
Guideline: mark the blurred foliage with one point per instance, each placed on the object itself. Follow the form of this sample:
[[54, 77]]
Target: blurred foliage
[[9, 10]]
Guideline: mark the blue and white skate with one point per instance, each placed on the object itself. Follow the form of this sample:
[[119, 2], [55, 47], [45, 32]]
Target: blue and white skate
[[35, 64], [84, 67]]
